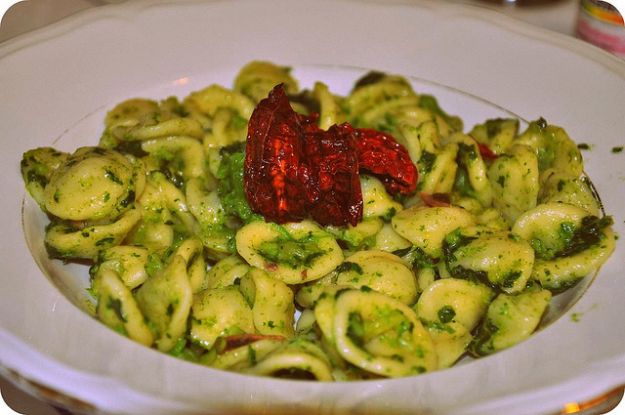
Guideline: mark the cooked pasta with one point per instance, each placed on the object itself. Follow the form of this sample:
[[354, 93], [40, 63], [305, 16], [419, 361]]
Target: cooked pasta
[[503, 218]]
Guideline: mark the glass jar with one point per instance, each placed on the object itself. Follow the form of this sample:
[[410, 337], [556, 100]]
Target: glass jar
[[601, 24]]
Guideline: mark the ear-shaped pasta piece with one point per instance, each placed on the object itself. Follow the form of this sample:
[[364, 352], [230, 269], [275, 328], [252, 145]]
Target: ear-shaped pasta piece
[[376, 201], [450, 341], [567, 157], [63, 241], [129, 114], [93, 184], [226, 272], [165, 300], [118, 309], [419, 137], [497, 133], [272, 307], [425, 278], [437, 170], [561, 273], [174, 127], [324, 315], [501, 259], [225, 114], [386, 115], [210, 99], [381, 335], [294, 253], [556, 152], [308, 294], [128, 262], [37, 166], [219, 312], [163, 200], [192, 252], [244, 357], [257, 78], [208, 210], [390, 241], [454, 300], [298, 358], [509, 320], [578, 191], [185, 154], [380, 271], [330, 112], [549, 227], [471, 178], [364, 98], [426, 227], [514, 179], [360, 236]]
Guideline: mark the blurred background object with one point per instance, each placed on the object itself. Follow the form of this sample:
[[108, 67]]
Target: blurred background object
[[600, 23], [592, 20]]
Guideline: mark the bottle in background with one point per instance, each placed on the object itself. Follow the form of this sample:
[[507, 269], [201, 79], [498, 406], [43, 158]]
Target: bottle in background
[[601, 24]]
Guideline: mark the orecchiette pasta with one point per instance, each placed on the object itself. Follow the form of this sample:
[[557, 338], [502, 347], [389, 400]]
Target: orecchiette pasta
[[500, 222]]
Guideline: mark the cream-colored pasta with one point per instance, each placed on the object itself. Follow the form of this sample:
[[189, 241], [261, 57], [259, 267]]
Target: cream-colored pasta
[[226, 272], [184, 151], [262, 245], [191, 250], [454, 300], [207, 209], [272, 308], [426, 227], [128, 262], [257, 78], [438, 170], [299, 356], [578, 191], [500, 221], [375, 199], [514, 180], [92, 184], [419, 136], [381, 335], [564, 272], [475, 167], [360, 236], [165, 300], [330, 112], [504, 260], [65, 241], [171, 128], [388, 240], [510, 319], [243, 357], [117, 308], [498, 133], [450, 341], [219, 312], [547, 225], [37, 167], [379, 271]]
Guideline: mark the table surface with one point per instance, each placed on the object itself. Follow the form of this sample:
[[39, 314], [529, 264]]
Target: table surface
[[559, 16]]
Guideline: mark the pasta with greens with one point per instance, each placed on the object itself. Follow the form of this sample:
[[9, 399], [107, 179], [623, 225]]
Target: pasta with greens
[[464, 262]]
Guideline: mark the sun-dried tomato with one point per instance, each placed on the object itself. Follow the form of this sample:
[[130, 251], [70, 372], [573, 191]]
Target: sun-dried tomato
[[333, 160], [273, 155], [382, 156], [485, 151], [293, 169], [435, 199]]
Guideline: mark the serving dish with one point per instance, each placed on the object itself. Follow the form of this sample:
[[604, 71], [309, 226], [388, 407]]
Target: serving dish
[[57, 84]]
